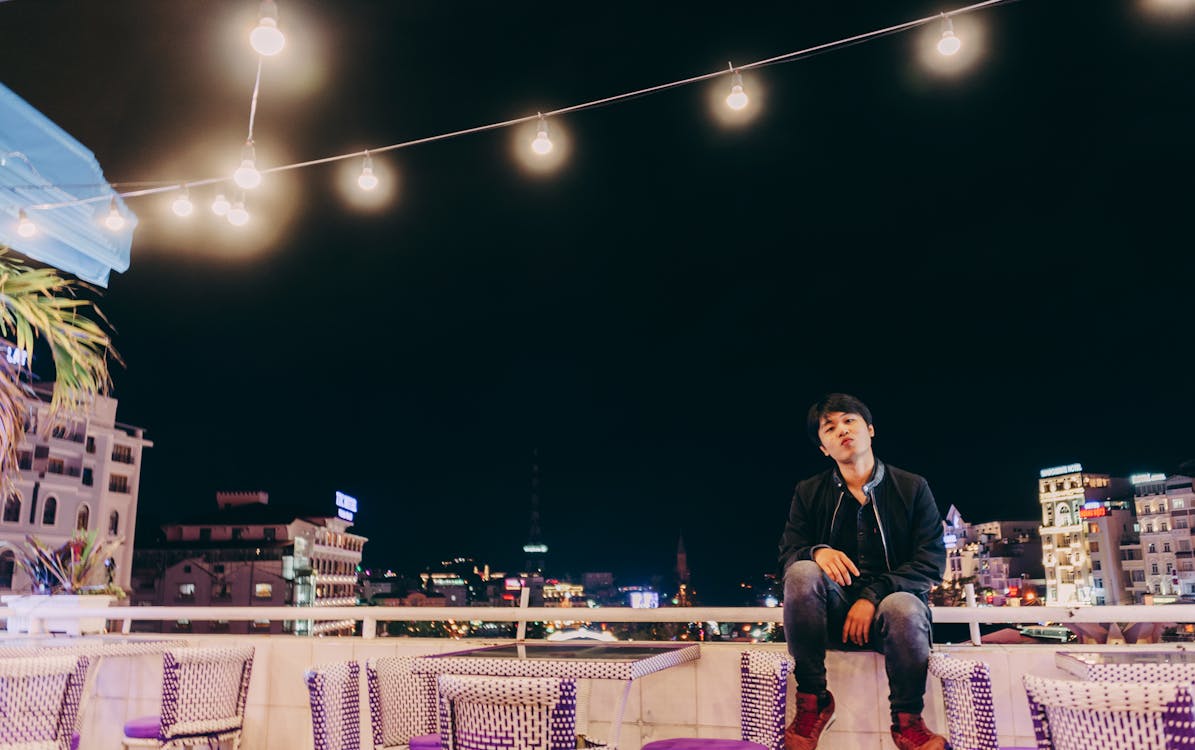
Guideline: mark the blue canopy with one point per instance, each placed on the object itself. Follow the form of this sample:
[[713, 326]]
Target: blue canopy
[[41, 165]]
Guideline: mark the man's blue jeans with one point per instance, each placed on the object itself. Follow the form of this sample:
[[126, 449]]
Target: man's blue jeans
[[814, 610]]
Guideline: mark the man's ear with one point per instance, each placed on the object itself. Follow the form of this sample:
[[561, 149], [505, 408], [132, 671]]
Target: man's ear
[[871, 430], [822, 448]]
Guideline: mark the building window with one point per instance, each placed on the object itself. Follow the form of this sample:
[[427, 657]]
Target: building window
[[88, 479], [1153, 569], [1163, 527], [1180, 523], [1178, 503], [122, 454], [1095, 565], [49, 514], [56, 466], [205, 535], [269, 533], [118, 483], [8, 566], [83, 518], [113, 523], [12, 509], [1093, 547], [182, 626], [1161, 506], [1099, 583], [186, 591], [1165, 546], [25, 460], [260, 625], [238, 533], [1149, 528], [1152, 547], [263, 591]]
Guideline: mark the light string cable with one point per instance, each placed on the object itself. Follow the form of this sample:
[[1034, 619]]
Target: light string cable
[[163, 186]]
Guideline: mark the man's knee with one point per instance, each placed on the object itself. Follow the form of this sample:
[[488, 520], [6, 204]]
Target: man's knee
[[802, 575], [903, 610]]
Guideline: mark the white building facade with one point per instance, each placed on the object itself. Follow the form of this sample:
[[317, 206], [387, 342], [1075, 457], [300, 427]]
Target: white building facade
[[1166, 571], [82, 475]]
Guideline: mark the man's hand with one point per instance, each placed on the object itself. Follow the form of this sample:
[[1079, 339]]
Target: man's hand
[[836, 565], [857, 627]]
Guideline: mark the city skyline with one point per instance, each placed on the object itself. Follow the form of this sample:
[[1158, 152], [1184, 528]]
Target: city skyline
[[988, 259]]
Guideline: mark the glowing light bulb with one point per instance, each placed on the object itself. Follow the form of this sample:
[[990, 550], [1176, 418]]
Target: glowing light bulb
[[237, 215], [542, 144], [368, 180], [265, 38], [25, 227], [182, 205], [246, 176], [114, 220], [737, 99], [949, 44], [221, 205]]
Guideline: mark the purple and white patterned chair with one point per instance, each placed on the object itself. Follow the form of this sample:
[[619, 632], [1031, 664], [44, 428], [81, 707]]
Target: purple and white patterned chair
[[1082, 715], [967, 693], [335, 693], [69, 724], [763, 676], [402, 704], [203, 700], [33, 698], [507, 713]]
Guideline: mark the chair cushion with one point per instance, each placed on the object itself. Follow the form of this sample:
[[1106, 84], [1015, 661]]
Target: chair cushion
[[143, 727], [74, 741], [692, 743], [425, 742]]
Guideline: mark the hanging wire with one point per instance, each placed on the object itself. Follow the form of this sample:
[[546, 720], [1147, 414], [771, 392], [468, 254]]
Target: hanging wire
[[162, 186]]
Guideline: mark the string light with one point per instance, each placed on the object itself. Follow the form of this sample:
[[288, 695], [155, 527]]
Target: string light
[[246, 176], [368, 180], [542, 144], [737, 99], [266, 39], [114, 220], [182, 205], [238, 216], [949, 44], [25, 227]]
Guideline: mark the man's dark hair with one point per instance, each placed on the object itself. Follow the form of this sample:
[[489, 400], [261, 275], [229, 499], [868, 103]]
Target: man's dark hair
[[830, 403]]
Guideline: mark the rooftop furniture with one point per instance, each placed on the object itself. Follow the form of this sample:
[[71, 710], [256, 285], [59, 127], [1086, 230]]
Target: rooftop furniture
[[484, 713], [335, 693], [578, 660], [402, 704], [1083, 715], [763, 676], [203, 699], [34, 693], [1138, 665], [967, 692]]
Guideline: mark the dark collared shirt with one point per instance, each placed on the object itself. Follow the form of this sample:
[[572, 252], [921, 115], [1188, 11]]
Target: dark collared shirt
[[857, 535]]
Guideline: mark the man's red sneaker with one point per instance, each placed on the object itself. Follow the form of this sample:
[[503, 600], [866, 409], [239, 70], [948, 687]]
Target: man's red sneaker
[[910, 733], [809, 723]]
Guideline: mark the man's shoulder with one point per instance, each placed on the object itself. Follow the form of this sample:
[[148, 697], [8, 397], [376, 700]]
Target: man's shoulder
[[816, 482], [904, 478]]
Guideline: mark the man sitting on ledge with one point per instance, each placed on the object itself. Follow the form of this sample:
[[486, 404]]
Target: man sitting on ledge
[[861, 548]]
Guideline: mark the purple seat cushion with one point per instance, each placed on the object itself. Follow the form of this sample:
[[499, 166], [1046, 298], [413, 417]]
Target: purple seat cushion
[[426, 742], [74, 741], [692, 743], [143, 727]]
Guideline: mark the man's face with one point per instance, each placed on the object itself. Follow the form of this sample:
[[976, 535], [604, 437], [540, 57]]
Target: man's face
[[845, 436]]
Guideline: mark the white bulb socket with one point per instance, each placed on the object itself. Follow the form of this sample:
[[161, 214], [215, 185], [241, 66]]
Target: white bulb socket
[[949, 44]]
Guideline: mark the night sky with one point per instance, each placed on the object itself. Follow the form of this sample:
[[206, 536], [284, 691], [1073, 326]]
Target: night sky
[[998, 260]]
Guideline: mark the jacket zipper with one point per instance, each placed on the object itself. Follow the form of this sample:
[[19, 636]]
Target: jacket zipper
[[879, 525], [834, 516]]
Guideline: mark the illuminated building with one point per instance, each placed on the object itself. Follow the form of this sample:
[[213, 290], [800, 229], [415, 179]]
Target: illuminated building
[[249, 553], [1000, 556], [81, 475], [563, 594], [1084, 524], [1162, 568]]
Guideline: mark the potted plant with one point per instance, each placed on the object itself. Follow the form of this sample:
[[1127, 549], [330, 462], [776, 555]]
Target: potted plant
[[76, 575]]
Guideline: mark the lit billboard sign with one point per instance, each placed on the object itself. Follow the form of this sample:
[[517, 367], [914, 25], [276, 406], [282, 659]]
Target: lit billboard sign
[[645, 600], [1093, 512], [346, 506], [1057, 471], [513, 584], [1143, 478]]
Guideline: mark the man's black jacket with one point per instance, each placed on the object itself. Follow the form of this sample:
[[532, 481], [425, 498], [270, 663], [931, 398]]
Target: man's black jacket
[[909, 520]]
